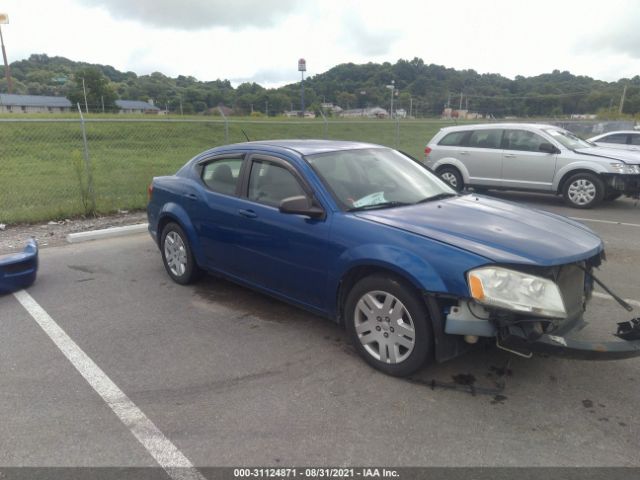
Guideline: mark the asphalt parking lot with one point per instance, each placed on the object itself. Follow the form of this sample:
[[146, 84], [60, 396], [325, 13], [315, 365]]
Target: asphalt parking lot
[[231, 377]]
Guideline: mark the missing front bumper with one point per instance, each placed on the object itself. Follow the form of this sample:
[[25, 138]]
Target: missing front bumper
[[19, 270], [627, 344]]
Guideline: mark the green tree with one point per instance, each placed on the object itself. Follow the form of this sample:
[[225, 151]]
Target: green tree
[[98, 90]]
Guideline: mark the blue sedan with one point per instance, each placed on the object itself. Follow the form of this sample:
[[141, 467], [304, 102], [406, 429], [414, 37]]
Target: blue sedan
[[370, 238]]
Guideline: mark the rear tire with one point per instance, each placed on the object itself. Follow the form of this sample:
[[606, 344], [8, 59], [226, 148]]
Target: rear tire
[[583, 190], [389, 325], [451, 176], [177, 255]]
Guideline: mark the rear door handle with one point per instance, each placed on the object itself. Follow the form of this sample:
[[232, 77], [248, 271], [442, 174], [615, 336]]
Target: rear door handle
[[247, 213], [509, 155], [191, 196], [464, 153]]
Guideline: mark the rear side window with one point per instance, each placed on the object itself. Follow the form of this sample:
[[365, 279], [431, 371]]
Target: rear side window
[[635, 139], [618, 138], [222, 175], [454, 139], [486, 139]]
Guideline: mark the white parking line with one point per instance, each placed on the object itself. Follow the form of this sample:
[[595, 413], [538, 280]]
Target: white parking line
[[635, 303], [610, 222], [152, 439]]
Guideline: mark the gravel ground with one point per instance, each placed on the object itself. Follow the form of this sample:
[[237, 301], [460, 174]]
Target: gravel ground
[[51, 234]]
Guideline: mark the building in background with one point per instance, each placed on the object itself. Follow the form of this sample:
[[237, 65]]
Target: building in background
[[33, 104], [137, 106]]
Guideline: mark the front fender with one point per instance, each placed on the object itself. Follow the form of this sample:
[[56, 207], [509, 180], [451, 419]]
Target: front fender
[[404, 263], [172, 211], [575, 167]]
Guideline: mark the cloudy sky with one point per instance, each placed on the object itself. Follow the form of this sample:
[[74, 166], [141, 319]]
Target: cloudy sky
[[261, 40]]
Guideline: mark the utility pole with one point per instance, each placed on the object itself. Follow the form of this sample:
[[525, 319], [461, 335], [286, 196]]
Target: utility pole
[[302, 67], [391, 87], [624, 94], [266, 108], [4, 19], [84, 90], [460, 108], [102, 101], [410, 106]]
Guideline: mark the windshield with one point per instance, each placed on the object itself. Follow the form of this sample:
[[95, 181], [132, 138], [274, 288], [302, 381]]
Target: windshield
[[568, 139], [376, 178]]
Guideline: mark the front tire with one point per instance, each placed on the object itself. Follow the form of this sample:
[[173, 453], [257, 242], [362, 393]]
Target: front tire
[[583, 190], [177, 255], [389, 325], [451, 176]]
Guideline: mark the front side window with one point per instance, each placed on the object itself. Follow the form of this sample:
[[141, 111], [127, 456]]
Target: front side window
[[523, 140], [486, 139], [618, 138], [635, 139], [270, 183], [375, 178], [222, 175]]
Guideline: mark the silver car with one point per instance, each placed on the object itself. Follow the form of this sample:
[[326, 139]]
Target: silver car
[[541, 158], [624, 139]]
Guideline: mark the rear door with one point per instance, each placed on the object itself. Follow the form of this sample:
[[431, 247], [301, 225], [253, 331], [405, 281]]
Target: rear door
[[213, 210], [524, 166], [483, 157]]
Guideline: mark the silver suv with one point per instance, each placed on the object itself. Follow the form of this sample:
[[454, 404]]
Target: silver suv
[[543, 158]]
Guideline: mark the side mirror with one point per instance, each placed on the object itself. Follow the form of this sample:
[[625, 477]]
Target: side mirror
[[301, 205], [546, 147]]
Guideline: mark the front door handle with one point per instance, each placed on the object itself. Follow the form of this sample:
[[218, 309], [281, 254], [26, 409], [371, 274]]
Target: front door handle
[[509, 155], [247, 213]]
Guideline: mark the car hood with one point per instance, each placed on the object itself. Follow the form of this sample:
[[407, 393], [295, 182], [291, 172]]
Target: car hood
[[502, 232], [626, 156]]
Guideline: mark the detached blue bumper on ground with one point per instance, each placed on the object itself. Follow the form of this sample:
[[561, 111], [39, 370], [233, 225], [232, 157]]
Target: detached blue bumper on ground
[[19, 270]]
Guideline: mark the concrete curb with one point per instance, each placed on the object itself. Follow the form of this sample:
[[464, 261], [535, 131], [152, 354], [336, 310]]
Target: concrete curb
[[107, 233]]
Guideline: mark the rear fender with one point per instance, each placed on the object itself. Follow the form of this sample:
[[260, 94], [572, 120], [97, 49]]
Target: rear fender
[[172, 211]]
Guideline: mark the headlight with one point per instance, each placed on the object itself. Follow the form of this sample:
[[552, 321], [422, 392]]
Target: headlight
[[625, 168], [520, 292]]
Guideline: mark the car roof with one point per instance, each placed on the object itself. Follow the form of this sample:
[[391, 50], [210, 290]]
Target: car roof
[[306, 147], [500, 125], [624, 132]]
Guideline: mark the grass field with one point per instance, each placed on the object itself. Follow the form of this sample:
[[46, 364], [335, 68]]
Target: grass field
[[43, 174]]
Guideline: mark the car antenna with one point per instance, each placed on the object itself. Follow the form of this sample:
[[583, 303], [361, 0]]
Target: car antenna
[[245, 135]]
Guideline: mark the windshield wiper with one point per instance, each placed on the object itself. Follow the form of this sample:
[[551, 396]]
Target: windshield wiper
[[438, 196], [378, 205]]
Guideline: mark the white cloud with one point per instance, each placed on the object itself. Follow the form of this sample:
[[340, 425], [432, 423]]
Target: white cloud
[[260, 41]]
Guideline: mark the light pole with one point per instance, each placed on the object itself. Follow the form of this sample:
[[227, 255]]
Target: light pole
[[4, 19], [392, 88], [302, 67]]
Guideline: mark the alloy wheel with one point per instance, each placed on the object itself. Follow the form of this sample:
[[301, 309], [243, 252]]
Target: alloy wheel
[[384, 327], [175, 254]]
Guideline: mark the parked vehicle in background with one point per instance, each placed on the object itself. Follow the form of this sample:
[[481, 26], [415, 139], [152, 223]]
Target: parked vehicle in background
[[541, 158], [369, 238], [624, 139]]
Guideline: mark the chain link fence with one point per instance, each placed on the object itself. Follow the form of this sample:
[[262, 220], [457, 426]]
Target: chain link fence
[[60, 168]]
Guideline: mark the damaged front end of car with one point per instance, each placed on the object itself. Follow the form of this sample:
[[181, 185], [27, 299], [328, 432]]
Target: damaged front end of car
[[18, 270], [539, 310]]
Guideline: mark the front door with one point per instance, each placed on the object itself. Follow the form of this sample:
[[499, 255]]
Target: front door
[[285, 253]]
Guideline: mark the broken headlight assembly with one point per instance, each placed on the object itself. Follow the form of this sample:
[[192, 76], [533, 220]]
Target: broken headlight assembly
[[516, 291]]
